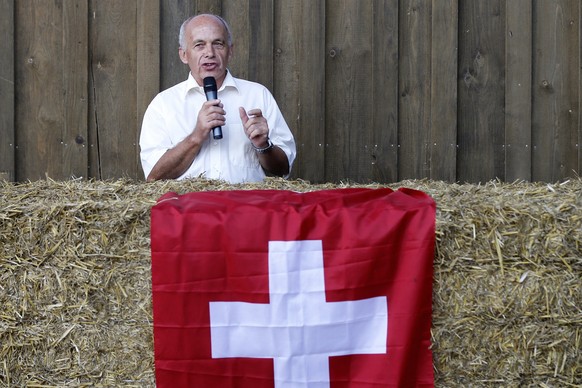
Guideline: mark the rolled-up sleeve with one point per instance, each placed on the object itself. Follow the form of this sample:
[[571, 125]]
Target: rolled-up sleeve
[[153, 140], [280, 134]]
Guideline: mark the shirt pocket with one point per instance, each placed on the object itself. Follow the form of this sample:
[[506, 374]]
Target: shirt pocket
[[241, 151]]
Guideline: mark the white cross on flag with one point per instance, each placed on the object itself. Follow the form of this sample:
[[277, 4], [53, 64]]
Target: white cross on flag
[[271, 288]]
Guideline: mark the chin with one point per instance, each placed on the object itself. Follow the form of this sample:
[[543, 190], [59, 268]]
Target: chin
[[213, 73]]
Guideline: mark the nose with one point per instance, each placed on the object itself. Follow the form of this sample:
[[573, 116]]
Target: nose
[[209, 51]]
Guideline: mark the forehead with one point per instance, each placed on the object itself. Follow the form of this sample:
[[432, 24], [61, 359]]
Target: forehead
[[206, 28]]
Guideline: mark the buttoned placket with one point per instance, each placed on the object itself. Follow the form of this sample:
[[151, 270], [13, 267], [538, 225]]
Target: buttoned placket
[[215, 155]]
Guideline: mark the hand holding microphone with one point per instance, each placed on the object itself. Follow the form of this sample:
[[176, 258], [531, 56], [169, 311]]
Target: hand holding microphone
[[212, 94]]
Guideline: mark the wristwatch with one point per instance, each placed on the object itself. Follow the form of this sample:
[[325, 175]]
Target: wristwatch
[[264, 150]]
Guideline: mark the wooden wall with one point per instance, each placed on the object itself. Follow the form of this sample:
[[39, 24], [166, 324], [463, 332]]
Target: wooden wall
[[374, 90]]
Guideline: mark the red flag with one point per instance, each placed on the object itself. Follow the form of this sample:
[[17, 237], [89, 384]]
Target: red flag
[[278, 289]]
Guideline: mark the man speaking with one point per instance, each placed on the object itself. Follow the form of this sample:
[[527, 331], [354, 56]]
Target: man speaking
[[178, 138]]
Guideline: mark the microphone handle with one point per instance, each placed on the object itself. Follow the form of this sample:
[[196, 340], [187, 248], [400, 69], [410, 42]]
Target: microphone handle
[[216, 131]]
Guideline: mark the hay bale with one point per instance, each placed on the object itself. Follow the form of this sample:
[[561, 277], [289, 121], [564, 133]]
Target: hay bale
[[75, 286]]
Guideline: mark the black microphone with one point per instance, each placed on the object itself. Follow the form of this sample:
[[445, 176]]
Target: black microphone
[[212, 94]]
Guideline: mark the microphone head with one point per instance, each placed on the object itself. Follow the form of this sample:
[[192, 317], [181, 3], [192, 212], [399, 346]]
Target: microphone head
[[209, 84]]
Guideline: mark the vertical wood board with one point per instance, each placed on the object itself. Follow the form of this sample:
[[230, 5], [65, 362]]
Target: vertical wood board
[[481, 91], [415, 92], [555, 89], [113, 69], [518, 107], [40, 112], [7, 130], [349, 133], [148, 61], [383, 151], [299, 81], [442, 143], [74, 160]]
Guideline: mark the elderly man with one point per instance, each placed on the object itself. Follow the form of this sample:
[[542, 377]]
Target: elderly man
[[176, 138]]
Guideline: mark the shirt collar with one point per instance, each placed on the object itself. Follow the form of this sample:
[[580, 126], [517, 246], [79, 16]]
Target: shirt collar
[[191, 84]]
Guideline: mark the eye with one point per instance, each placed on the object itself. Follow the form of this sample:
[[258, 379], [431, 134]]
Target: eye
[[219, 45]]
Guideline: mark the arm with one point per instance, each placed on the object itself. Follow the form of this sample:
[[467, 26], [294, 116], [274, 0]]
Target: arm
[[274, 161], [176, 161]]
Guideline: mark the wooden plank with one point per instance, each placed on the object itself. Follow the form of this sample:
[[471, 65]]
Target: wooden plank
[[349, 69], [299, 81], [252, 25], [481, 92], [52, 93], [443, 110], [75, 132], [113, 72], [415, 94], [383, 152], [518, 108], [7, 145], [39, 90], [555, 89], [148, 61]]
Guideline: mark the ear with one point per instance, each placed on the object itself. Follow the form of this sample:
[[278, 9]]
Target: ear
[[183, 56]]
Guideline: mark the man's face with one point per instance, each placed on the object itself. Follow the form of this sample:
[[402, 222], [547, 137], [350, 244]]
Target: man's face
[[206, 50]]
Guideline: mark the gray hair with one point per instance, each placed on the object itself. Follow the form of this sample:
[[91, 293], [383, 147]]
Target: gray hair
[[182, 36]]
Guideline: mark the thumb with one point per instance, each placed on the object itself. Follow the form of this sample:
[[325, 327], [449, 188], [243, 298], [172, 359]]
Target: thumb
[[243, 115]]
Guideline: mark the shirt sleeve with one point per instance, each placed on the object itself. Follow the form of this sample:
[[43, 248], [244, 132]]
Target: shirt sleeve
[[279, 131], [153, 141]]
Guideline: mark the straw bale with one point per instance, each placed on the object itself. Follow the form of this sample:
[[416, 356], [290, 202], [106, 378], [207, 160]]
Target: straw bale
[[75, 285]]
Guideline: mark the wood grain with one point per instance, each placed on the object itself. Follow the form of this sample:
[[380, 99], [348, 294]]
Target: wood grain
[[481, 91], [114, 124], [415, 91], [518, 102], [442, 142], [349, 79], [299, 82], [555, 89], [7, 130]]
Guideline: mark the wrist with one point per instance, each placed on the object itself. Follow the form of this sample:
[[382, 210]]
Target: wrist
[[265, 149]]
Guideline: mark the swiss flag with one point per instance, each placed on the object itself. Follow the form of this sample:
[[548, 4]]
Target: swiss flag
[[271, 288]]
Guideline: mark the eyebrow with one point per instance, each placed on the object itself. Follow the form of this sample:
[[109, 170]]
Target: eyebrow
[[219, 40]]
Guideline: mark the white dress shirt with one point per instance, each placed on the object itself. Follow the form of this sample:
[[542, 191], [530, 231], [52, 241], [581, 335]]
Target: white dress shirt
[[172, 115]]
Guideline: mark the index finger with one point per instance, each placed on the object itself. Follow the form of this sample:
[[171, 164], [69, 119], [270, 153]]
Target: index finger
[[243, 115]]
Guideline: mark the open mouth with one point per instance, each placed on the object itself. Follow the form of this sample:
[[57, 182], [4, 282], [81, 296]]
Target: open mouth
[[209, 66]]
